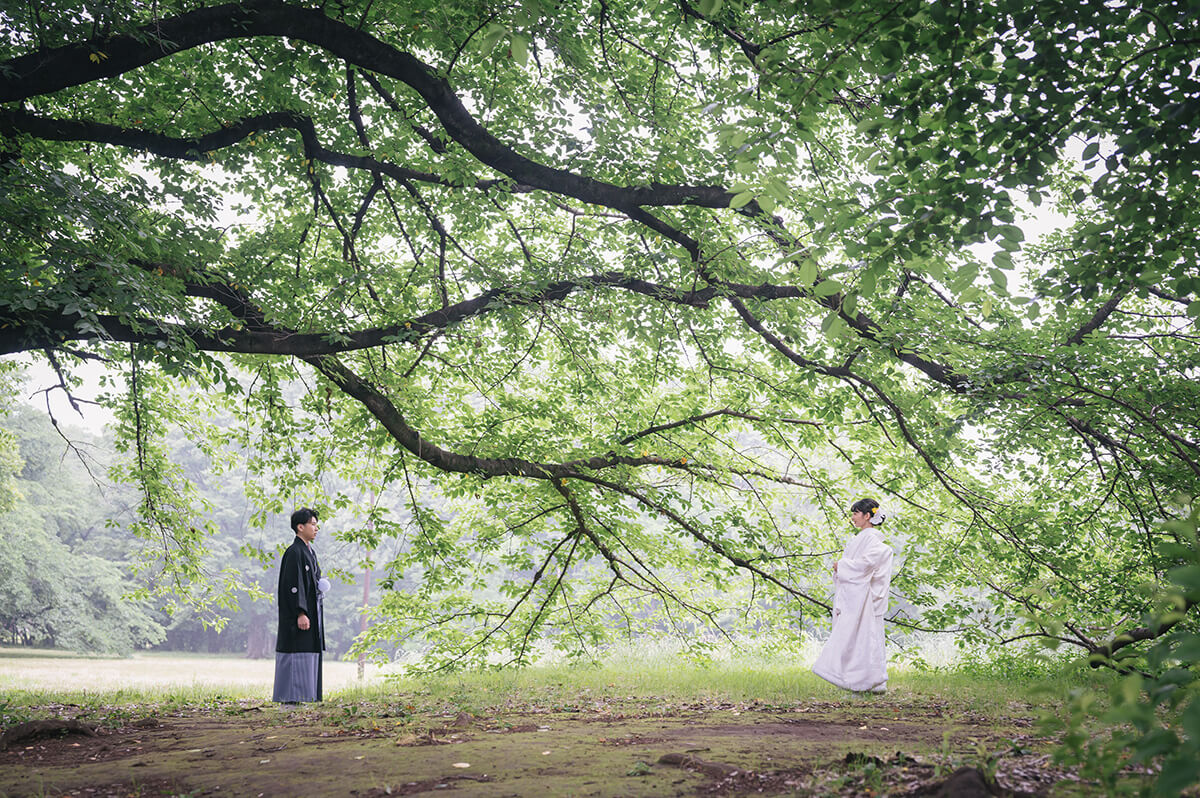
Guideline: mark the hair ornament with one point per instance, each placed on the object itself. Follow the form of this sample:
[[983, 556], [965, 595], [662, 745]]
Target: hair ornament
[[877, 517]]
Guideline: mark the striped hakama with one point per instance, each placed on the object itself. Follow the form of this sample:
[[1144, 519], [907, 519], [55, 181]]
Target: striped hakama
[[297, 677]]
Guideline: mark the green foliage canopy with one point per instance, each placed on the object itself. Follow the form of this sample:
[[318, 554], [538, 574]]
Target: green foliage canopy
[[649, 289]]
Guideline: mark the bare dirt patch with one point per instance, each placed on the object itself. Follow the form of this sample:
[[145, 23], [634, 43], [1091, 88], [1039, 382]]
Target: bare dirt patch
[[614, 749]]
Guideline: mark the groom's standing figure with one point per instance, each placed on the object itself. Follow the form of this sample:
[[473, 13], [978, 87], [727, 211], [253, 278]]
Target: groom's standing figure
[[301, 637]]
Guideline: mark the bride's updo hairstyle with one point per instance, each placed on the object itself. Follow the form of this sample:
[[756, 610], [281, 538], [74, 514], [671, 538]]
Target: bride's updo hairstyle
[[871, 508]]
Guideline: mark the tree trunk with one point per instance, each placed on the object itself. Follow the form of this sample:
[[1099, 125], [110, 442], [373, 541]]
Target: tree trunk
[[260, 637], [362, 628]]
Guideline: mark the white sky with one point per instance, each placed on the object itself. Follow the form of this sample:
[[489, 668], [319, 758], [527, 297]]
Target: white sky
[[40, 376]]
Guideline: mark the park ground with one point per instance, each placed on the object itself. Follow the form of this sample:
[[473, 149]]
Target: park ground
[[687, 730]]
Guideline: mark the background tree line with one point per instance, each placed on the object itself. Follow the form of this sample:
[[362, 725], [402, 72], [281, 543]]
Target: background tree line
[[70, 578]]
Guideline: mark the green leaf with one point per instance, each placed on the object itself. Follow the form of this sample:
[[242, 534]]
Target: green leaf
[[1188, 649], [1190, 717], [742, 199], [1187, 577], [866, 285], [999, 280], [870, 124], [890, 51], [491, 37], [833, 326], [827, 288], [1154, 744], [520, 48], [778, 189], [1011, 232], [1178, 773]]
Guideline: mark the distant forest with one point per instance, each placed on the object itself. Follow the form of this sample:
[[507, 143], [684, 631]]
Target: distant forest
[[70, 577]]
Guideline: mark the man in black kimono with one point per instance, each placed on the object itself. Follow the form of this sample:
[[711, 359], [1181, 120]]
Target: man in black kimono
[[301, 637]]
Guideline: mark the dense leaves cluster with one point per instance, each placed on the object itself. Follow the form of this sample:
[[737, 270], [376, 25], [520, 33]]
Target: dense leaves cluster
[[646, 291], [1153, 713], [59, 585], [78, 577]]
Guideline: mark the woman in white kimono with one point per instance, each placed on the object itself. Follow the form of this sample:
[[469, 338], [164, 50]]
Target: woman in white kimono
[[853, 656]]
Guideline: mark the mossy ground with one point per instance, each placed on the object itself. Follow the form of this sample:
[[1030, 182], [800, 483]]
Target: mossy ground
[[737, 728], [592, 746]]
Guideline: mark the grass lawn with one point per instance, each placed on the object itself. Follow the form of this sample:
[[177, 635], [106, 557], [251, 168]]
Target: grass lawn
[[153, 672]]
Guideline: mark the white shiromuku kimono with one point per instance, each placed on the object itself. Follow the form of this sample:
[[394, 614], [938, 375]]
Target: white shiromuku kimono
[[853, 657]]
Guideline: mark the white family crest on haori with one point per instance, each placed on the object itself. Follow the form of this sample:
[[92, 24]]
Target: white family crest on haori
[[853, 657]]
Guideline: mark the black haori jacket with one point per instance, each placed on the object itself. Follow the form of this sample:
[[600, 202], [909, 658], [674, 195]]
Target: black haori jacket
[[298, 576]]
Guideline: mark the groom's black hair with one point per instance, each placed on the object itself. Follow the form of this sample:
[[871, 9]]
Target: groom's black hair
[[303, 516]]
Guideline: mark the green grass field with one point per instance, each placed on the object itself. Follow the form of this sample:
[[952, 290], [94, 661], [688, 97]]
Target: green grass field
[[32, 676]]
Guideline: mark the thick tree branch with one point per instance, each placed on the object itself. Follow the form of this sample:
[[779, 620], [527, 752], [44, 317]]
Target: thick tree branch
[[703, 416], [38, 329], [1098, 318], [1102, 654], [198, 148], [46, 71]]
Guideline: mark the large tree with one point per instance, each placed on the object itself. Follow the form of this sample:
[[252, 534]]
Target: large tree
[[650, 289]]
